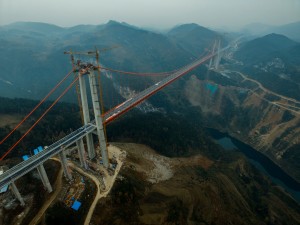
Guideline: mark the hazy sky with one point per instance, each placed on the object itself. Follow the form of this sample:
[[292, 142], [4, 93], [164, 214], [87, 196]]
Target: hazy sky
[[152, 13]]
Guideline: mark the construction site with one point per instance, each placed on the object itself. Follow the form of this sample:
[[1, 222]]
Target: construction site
[[83, 154], [79, 194]]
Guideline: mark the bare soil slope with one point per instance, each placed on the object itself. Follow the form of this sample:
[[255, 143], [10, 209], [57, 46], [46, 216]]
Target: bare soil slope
[[154, 189]]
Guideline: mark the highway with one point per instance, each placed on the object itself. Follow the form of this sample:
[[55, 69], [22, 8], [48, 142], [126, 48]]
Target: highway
[[26, 166], [130, 103]]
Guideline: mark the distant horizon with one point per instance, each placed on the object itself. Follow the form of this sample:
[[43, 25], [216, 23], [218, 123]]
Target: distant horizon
[[152, 27], [161, 15]]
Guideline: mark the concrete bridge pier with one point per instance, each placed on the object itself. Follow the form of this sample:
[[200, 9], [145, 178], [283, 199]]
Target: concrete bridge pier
[[40, 174], [86, 115], [210, 64], [64, 165], [17, 193], [98, 118], [80, 147], [44, 177]]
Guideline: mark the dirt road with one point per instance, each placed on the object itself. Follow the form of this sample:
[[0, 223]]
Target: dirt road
[[112, 151], [58, 186], [97, 197], [267, 90]]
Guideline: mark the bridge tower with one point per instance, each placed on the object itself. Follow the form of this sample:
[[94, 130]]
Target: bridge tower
[[217, 58], [215, 61], [98, 117], [86, 73], [86, 114]]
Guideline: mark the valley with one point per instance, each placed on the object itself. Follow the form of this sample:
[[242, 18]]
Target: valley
[[174, 173], [273, 118]]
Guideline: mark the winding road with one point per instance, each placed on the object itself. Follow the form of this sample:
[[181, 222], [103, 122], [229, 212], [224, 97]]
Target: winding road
[[58, 186]]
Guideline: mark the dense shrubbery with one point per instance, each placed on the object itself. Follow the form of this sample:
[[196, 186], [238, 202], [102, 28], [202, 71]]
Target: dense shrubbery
[[170, 135]]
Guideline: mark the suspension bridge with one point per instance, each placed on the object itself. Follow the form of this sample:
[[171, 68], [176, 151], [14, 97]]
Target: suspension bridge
[[91, 127]]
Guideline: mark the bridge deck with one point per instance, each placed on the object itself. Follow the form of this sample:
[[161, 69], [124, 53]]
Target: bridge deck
[[26, 166]]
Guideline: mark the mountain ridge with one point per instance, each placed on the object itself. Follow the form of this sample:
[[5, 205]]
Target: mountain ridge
[[39, 55], [291, 30]]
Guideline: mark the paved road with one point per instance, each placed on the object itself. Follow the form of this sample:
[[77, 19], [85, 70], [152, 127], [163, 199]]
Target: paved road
[[267, 90], [26, 166], [130, 103]]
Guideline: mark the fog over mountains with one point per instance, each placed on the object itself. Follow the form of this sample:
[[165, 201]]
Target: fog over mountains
[[254, 97], [32, 56], [290, 30], [32, 59]]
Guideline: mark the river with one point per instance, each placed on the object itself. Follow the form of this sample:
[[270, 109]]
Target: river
[[260, 161]]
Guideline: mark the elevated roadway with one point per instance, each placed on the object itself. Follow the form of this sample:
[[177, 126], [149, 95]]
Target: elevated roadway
[[24, 167]]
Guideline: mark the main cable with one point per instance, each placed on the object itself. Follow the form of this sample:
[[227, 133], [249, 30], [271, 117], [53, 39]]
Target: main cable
[[39, 119], [136, 73], [35, 108]]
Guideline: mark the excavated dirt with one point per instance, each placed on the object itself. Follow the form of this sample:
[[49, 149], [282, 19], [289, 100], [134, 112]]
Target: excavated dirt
[[153, 189]]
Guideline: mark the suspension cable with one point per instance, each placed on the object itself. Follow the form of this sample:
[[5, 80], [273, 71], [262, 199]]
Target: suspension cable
[[136, 73], [39, 119], [35, 108]]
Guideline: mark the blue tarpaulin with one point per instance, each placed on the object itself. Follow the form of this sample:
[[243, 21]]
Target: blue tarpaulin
[[35, 151], [76, 205], [40, 148], [4, 189], [25, 157]]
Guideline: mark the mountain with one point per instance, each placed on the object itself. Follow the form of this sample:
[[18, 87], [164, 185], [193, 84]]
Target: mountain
[[265, 48], [194, 38], [257, 29], [274, 61], [33, 27], [32, 58], [33, 61], [291, 30]]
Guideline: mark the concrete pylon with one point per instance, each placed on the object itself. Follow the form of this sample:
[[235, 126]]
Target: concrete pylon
[[44, 177], [40, 174], [80, 147], [17, 193], [98, 118], [217, 58], [64, 164], [86, 116], [211, 59]]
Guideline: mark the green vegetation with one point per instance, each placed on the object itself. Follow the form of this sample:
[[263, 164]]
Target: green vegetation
[[273, 60], [61, 120], [170, 135]]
